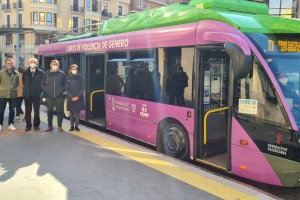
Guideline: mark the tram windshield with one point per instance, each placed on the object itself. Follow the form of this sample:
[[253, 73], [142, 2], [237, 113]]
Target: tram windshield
[[282, 52]]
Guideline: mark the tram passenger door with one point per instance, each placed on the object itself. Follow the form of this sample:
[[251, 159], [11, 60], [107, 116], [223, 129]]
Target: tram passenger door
[[214, 70], [95, 89]]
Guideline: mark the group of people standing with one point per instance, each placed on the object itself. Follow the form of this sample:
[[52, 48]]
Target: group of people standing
[[32, 84]]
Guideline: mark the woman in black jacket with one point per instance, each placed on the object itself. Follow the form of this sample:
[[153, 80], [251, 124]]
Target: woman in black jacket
[[75, 101]]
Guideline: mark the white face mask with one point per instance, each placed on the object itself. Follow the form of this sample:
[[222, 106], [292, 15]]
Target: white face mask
[[32, 65], [74, 71], [283, 80]]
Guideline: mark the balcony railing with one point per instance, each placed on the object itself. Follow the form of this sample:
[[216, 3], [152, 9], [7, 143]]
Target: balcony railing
[[75, 8], [5, 7], [20, 5], [162, 1], [20, 25]]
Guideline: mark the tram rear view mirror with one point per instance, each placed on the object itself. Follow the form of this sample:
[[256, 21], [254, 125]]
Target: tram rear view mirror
[[241, 64]]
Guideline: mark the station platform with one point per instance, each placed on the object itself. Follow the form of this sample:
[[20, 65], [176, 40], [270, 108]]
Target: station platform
[[92, 165]]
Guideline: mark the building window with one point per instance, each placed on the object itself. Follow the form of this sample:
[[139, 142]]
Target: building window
[[105, 5], [42, 1], [49, 19], [281, 8], [42, 18], [95, 6], [8, 4], [75, 22], [49, 1], [54, 19], [40, 39], [75, 5], [20, 21], [88, 4], [8, 39], [35, 18], [34, 1], [140, 5], [87, 22], [120, 10], [55, 1], [105, 8], [8, 21], [22, 39]]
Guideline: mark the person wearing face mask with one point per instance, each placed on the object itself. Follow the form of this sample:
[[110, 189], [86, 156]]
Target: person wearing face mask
[[53, 85], [75, 101], [32, 78], [9, 81], [288, 92]]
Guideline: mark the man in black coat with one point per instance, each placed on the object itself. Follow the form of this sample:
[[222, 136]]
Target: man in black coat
[[32, 78], [53, 85]]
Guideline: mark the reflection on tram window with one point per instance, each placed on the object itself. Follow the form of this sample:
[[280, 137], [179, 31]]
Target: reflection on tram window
[[114, 82], [142, 81], [177, 76], [256, 87]]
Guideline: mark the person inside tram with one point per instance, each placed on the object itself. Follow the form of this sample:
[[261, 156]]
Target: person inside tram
[[114, 82], [288, 91], [146, 82], [176, 84]]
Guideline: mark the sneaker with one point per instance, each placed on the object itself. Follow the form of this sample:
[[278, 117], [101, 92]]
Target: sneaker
[[60, 129], [36, 128], [11, 127], [76, 128], [72, 128]]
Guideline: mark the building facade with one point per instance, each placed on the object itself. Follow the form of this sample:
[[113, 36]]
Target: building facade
[[48, 17], [139, 5], [283, 8]]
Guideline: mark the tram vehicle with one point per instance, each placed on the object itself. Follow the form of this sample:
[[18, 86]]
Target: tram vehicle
[[214, 81]]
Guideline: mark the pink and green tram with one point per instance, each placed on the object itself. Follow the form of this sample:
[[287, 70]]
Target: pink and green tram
[[239, 108]]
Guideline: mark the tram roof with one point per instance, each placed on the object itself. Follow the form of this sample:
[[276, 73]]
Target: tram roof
[[242, 14]]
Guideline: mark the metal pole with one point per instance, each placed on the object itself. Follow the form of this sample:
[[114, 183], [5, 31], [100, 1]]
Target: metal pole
[[17, 36]]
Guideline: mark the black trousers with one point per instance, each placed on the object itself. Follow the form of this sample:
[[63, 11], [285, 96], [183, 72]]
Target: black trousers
[[12, 105], [178, 97], [74, 117], [35, 102], [19, 110], [59, 105]]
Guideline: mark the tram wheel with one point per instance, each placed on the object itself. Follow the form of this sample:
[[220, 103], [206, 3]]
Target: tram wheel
[[174, 140], [66, 112]]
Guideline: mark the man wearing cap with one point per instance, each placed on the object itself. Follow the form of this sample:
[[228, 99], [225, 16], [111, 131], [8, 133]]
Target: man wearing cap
[[32, 78], [9, 81], [53, 85]]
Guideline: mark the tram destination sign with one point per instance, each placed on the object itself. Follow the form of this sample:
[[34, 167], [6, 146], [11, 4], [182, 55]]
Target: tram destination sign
[[289, 46], [98, 45]]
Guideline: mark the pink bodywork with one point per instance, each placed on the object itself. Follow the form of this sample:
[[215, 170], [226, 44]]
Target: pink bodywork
[[140, 119]]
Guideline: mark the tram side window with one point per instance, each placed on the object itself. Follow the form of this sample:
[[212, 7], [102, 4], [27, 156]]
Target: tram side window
[[177, 75], [115, 78], [134, 79], [255, 89], [142, 81]]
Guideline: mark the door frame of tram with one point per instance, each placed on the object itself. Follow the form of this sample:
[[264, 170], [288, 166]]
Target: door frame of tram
[[200, 116], [88, 98]]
